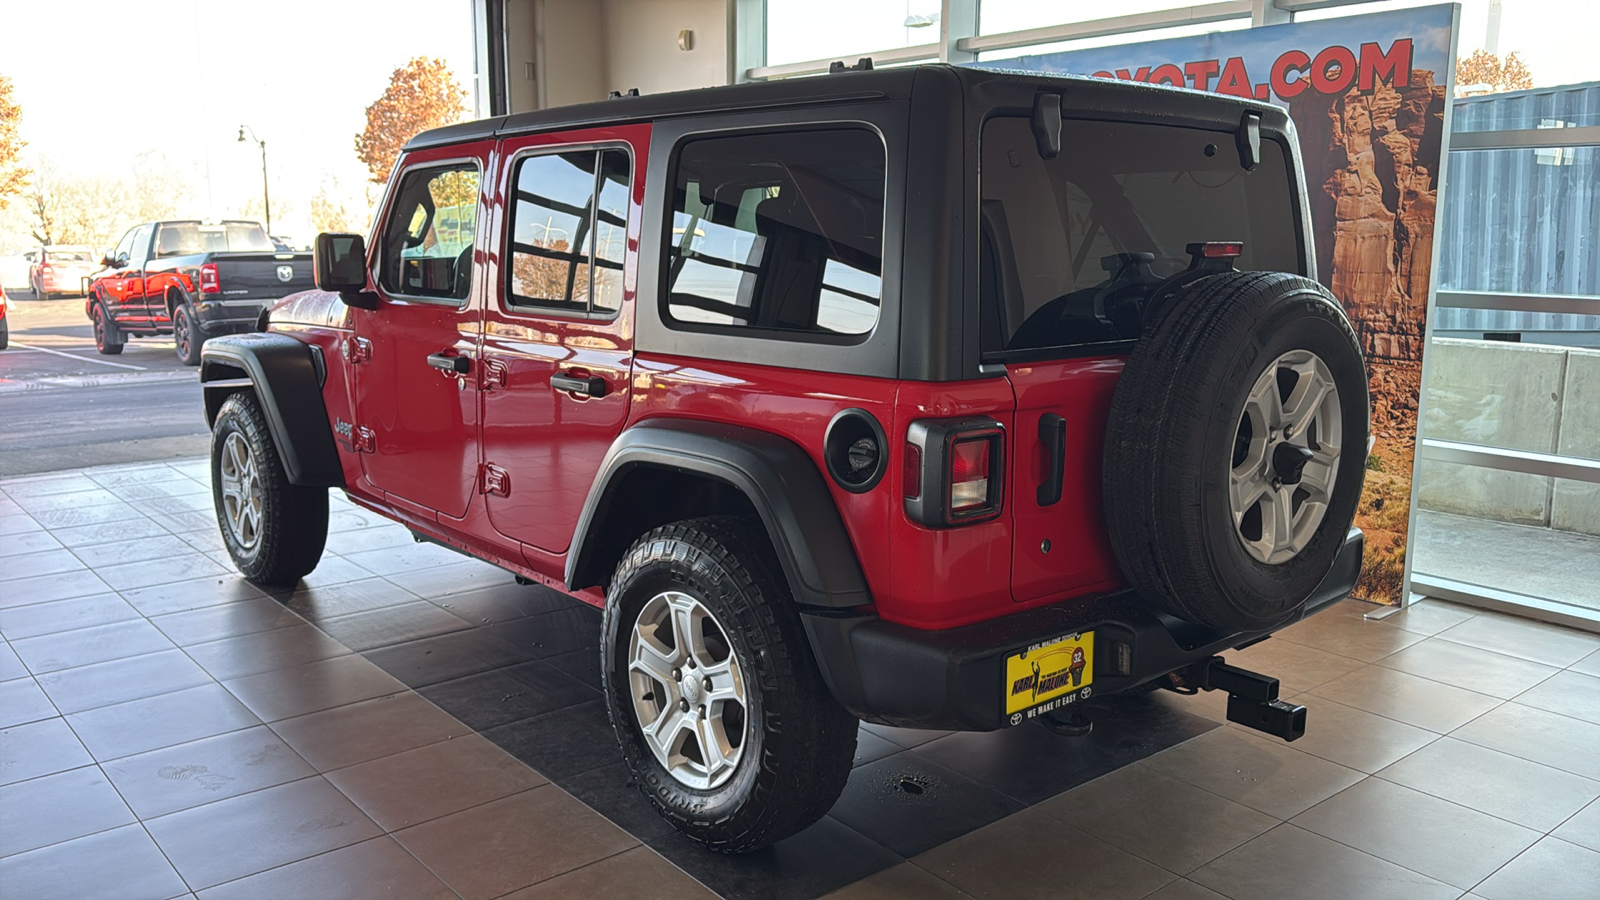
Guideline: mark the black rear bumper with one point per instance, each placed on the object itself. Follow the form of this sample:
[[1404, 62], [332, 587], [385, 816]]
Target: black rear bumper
[[954, 679], [214, 317]]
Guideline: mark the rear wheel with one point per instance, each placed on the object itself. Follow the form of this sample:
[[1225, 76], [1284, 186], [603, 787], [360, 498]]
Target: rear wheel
[[185, 337], [275, 531], [107, 336], [1234, 453], [715, 699]]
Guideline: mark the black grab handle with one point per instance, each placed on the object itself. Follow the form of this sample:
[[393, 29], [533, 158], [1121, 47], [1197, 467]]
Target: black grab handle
[[449, 362], [592, 385], [1053, 434]]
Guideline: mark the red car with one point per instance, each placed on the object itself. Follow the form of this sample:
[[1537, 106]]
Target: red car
[[931, 397], [5, 325]]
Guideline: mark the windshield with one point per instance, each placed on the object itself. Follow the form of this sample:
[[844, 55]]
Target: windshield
[[1072, 247], [70, 256], [187, 238]]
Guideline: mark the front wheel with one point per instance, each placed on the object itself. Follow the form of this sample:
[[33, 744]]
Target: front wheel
[[275, 531], [721, 713], [185, 337]]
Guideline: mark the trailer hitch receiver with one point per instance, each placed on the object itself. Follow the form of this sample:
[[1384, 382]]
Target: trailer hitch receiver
[[1252, 699]]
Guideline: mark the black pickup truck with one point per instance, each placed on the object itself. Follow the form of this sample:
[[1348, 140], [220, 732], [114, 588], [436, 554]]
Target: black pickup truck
[[192, 280]]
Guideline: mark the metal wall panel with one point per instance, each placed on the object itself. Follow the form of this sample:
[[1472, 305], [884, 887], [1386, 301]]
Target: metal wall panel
[[1525, 221]]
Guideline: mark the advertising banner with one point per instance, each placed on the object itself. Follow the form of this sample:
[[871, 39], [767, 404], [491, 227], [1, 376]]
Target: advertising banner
[[1368, 98]]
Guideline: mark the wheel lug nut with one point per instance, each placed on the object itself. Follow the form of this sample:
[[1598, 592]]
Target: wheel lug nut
[[691, 662], [702, 712], [677, 674], [707, 684], [683, 705]]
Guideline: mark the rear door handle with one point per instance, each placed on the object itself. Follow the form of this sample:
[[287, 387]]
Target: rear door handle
[[591, 385], [450, 363], [1053, 435]]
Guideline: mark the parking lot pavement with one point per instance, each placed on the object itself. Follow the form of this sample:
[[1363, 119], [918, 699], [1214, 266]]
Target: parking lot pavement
[[63, 405]]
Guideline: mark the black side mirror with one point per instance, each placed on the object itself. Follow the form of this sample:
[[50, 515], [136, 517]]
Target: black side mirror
[[339, 262], [106, 262]]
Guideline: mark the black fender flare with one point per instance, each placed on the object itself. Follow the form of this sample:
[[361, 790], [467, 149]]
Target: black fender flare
[[287, 376], [774, 474]]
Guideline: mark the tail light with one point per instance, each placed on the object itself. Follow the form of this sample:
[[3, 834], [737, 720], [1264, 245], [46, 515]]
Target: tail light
[[960, 465], [209, 282]]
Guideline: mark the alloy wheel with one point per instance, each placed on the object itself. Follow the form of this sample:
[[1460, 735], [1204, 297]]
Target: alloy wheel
[[241, 491], [688, 690], [1285, 457]]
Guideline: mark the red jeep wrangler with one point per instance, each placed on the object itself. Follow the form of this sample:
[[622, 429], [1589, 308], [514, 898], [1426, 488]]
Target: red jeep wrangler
[[932, 397]]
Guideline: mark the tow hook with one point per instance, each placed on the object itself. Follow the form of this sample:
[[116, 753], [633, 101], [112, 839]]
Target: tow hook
[[1252, 698]]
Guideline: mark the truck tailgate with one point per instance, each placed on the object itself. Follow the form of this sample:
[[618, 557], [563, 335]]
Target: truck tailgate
[[264, 276]]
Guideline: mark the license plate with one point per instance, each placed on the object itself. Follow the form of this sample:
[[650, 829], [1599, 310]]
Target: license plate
[[1048, 675]]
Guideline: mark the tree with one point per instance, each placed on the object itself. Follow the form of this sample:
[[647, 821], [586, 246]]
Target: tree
[[13, 176], [421, 95], [1485, 68]]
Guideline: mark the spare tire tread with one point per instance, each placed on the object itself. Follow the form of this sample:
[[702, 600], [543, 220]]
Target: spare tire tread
[[1153, 500]]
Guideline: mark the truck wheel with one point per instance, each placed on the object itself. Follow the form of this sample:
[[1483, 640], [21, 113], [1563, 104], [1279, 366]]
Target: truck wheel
[[723, 718], [185, 337], [107, 336], [1235, 447], [274, 530]]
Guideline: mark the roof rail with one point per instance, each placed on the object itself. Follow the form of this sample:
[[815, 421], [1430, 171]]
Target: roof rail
[[615, 95], [864, 64]]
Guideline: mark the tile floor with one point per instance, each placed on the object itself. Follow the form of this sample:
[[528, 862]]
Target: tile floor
[[412, 724]]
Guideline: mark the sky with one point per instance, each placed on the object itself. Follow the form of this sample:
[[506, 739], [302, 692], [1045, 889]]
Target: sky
[[104, 84]]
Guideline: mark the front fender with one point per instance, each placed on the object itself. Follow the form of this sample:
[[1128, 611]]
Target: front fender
[[287, 377], [773, 473]]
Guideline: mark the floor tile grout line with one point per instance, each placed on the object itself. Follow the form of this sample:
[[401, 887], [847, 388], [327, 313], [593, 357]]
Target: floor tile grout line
[[596, 862], [386, 834], [932, 874], [136, 817], [1542, 834]]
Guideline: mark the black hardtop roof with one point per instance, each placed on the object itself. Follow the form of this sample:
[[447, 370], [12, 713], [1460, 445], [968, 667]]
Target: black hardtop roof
[[840, 87]]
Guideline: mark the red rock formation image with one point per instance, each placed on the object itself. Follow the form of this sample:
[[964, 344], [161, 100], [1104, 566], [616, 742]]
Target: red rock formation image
[[1372, 164]]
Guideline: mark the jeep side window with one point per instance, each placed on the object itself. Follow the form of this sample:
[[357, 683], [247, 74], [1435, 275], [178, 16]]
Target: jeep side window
[[1070, 248], [779, 231], [427, 242], [569, 231]]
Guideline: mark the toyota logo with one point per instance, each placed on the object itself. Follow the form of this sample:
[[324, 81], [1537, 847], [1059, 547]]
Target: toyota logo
[[285, 273]]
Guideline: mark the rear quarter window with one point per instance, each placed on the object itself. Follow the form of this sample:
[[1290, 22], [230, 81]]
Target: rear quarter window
[[779, 232]]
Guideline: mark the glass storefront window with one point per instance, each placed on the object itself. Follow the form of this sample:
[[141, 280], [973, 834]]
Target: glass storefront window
[[818, 29]]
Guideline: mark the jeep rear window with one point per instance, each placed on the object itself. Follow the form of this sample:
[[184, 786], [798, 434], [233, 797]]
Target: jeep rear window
[[1061, 240], [780, 232]]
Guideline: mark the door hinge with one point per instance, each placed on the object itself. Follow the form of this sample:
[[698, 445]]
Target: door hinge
[[494, 480], [356, 350], [365, 439], [494, 375]]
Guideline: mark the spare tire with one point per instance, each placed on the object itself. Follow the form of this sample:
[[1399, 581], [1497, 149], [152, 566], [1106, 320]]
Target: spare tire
[[1235, 448]]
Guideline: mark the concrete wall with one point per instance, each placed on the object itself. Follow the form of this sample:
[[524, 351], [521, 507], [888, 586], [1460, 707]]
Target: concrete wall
[[1519, 397], [581, 50], [571, 50], [1575, 505], [642, 44]]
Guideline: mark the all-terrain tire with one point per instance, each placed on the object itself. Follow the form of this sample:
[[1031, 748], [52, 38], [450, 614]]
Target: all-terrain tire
[[289, 522], [108, 339], [1174, 431], [186, 337], [798, 741]]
